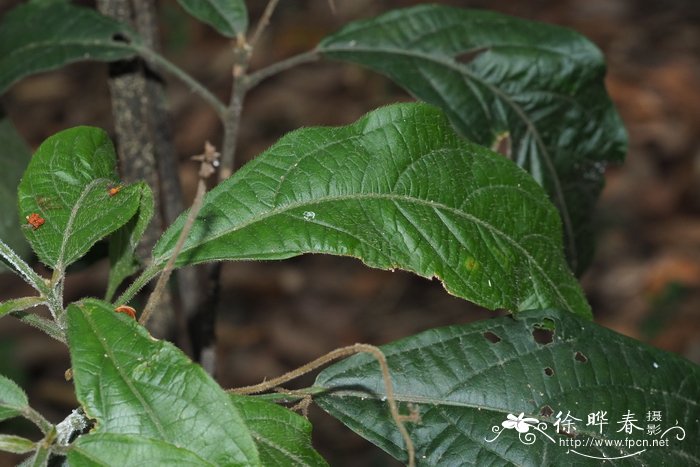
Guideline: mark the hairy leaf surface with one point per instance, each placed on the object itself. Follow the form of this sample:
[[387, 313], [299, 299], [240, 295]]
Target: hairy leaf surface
[[12, 398], [40, 36], [465, 381], [534, 90], [123, 242], [283, 437], [67, 184], [133, 384], [397, 189]]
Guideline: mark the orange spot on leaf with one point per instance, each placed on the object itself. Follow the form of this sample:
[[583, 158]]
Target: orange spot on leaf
[[35, 220], [126, 310]]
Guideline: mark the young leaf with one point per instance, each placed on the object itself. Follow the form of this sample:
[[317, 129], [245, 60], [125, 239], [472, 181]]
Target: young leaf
[[15, 156], [397, 189], [124, 241], [133, 384], [534, 89], [70, 185], [40, 36], [12, 399], [16, 444], [19, 304], [283, 438], [228, 17], [465, 381]]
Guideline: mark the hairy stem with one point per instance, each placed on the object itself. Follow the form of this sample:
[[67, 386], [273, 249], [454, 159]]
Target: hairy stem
[[42, 324], [334, 355], [36, 418], [24, 270], [263, 22]]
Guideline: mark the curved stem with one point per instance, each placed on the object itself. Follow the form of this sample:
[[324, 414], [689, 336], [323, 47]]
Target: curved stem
[[146, 276], [253, 79], [24, 270], [36, 418], [159, 61]]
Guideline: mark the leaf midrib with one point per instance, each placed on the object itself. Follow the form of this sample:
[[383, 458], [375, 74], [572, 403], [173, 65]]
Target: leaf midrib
[[452, 65], [388, 197]]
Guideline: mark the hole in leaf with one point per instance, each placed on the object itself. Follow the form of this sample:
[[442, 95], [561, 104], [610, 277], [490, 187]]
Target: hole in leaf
[[543, 336], [119, 37], [470, 55], [548, 371], [491, 337], [580, 357], [546, 411]]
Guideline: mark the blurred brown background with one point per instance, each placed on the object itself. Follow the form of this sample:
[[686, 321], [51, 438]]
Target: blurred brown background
[[644, 282]]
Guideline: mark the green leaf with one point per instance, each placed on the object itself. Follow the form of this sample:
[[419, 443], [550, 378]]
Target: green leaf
[[129, 450], [68, 185], [14, 155], [397, 189], [135, 385], [12, 399], [40, 36], [16, 444], [228, 17], [283, 438], [492, 74], [123, 242], [19, 304], [466, 380]]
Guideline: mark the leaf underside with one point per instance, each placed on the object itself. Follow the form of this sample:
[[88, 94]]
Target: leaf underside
[[464, 380], [536, 90], [397, 189]]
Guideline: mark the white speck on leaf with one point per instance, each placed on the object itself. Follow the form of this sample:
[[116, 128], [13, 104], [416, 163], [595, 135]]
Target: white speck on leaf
[[309, 215], [655, 365], [352, 43], [489, 282]]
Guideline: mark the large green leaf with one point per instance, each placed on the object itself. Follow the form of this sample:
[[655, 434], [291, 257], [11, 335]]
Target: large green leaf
[[133, 384], [542, 85], [12, 399], [397, 189], [45, 35], [283, 438], [464, 381], [14, 157], [68, 184], [228, 17], [109, 449], [123, 242]]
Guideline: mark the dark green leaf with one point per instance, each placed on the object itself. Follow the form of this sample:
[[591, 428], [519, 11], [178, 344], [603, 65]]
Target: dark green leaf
[[494, 75], [12, 399], [228, 17], [397, 189], [40, 36], [108, 449], [16, 444], [123, 242], [134, 384], [14, 155], [283, 438], [68, 184], [464, 380]]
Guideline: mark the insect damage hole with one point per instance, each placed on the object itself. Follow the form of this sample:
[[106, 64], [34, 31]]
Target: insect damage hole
[[548, 371], [579, 357], [491, 337], [546, 411]]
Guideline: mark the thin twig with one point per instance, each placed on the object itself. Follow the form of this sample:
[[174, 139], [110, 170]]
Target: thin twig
[[36, 418], [209, 160], [159, 61], [42, 324], [253, 79], [334, 355], [263, 22]]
